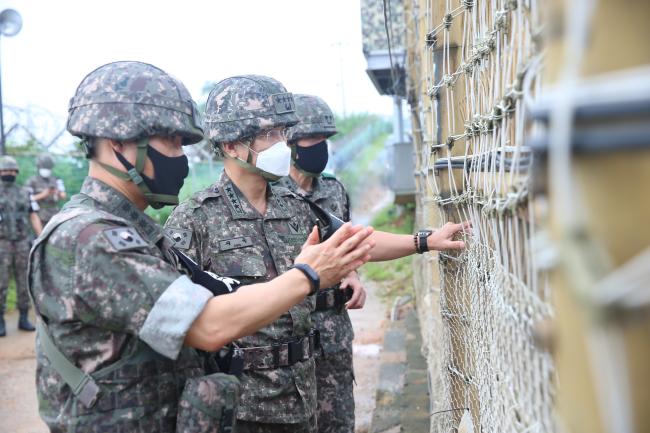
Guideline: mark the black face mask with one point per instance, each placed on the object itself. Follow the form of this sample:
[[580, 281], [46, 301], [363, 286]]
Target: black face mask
[[312, 160], [10, 178], [169, 172]]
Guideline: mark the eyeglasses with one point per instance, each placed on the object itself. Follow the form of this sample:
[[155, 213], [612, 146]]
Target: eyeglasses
[[272, 135]]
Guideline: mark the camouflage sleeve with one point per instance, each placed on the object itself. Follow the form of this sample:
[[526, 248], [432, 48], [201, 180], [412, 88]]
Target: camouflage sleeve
[[181, 228], [341, 196], [134, 291], [346, 203]]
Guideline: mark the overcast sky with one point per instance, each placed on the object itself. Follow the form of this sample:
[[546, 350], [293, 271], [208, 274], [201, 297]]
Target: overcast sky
[[310, 46]]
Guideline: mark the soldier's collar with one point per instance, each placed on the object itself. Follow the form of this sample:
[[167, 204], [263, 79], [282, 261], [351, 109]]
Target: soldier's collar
[[289, 183], [241, 208], [277, 207], [114, 202], [317, 192]]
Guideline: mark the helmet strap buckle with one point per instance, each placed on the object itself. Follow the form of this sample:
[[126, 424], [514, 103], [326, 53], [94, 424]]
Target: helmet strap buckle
[[135, 176]]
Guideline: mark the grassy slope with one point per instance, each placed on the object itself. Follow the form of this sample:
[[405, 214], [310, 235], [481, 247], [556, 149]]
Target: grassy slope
[[394, 277]]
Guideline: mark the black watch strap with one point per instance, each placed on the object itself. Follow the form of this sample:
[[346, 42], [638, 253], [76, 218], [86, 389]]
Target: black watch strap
[[421, 241], [311, 275]]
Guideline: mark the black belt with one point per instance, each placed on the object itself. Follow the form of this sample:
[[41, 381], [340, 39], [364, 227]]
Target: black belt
[[332, 298], [280, 354]]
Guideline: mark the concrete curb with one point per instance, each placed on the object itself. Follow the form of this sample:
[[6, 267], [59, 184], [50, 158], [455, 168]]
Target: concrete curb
[[402, 390]]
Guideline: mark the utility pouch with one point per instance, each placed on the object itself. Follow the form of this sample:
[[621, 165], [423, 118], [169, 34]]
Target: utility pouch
[[209, 405]]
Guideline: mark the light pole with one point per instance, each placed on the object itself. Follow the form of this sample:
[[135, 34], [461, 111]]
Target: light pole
[[10, 24]]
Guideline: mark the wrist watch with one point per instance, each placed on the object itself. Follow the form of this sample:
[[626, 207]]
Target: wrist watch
[[310, 273], [420, 240]]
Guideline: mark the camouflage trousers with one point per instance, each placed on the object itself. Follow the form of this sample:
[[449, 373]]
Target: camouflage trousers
[[13, 261], [260, 427], [335, 380]]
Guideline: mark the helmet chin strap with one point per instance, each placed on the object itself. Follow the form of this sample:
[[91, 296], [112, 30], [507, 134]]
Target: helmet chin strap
[[134, 174], [248, 165]]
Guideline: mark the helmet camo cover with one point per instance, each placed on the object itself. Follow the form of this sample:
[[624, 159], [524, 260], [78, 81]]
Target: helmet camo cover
[[315, 118], [243, 106], [132, 100], [8, 163], [45, 161]]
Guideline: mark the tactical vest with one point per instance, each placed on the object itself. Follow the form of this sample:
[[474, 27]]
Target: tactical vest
[[14, 213], [139, 393]]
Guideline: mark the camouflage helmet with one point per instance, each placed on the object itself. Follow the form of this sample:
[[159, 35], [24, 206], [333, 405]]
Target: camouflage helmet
[[243, 106], [316, 118], [8, 163], [45, 161], [132, 100]]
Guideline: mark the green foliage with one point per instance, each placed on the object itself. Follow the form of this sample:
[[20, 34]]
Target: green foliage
[[72, 169], [355, 174], [345, 125], [395, 219], [395, 276], [29, 147]]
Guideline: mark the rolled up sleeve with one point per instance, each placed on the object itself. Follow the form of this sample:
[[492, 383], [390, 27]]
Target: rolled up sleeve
[[172, 316]]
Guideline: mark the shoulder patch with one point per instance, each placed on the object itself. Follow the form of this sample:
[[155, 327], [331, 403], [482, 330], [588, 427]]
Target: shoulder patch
[[124, 238], [198, 198], [180, 237]]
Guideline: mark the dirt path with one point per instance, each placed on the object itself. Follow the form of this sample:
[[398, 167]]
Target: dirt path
[[18, 406], [369, 324]]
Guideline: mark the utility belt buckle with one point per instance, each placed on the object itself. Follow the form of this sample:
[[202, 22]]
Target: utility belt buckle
[[322, 301], [296, 351], [87, 392]]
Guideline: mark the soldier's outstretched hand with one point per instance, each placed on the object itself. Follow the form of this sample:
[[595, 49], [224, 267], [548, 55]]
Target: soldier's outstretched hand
[[442, 239], [342, 253]]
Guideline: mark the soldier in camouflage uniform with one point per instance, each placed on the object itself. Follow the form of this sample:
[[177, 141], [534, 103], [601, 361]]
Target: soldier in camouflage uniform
[[46, 189], [334, 370], [244, 228], [16, 214], [118, 323]]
